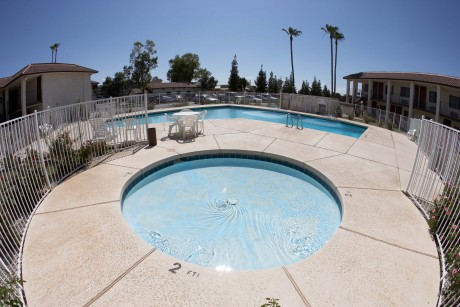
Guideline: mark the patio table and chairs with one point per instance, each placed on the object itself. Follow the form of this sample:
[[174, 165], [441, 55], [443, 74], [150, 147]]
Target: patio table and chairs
[[186, 122]]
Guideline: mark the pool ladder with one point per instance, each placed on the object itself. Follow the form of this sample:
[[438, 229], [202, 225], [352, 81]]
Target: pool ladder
[[290, 121]]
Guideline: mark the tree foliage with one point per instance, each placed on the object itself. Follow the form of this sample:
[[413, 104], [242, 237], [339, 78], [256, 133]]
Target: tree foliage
[[142, 61], [272, 84], [261, 81], [116, 86], [243, 83], [183, 68], [305, 88], [316, 87], [326, 92], [234, 82], [206, 79]]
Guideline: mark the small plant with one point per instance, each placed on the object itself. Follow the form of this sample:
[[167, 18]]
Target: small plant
[[380, 124], [8, 294], [351, 116], [338, 112], [368, 119], [390, 125], [271, 302]]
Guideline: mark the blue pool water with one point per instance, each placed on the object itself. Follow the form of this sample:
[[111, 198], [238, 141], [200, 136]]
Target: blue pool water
[[232, 213], [310, 122]]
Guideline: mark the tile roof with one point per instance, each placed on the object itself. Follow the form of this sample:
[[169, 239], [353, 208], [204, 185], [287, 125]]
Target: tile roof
[[408, 76], [156, 85], [41, 68]]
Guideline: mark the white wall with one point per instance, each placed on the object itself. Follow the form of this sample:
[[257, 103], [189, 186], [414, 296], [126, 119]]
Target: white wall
[[60, 89]]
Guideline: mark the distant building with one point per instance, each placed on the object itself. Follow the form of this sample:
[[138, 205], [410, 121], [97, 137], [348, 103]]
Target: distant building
[[156, 86], [39, 86], [436, 97]]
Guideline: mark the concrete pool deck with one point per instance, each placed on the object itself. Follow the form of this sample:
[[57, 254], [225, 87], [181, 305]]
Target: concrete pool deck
[[79, 251]]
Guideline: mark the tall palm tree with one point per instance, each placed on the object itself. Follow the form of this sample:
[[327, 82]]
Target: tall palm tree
[[331, 30], [337, 37], [292, 33], [56, 45], [53, 48]]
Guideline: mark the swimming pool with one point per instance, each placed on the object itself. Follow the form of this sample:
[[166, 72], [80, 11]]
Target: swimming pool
[[273, 116], [232, 212]]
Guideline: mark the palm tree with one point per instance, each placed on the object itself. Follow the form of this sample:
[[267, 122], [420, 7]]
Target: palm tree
[[331, 30], [337, 37], [292, 33], [53, 47], [56, 45]]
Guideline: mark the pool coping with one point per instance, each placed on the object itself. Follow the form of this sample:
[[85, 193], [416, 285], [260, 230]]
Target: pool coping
[[374, 259]]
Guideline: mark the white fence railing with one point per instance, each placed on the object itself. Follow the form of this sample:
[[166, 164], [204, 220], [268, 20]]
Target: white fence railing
[[38, 151], [435, 187]]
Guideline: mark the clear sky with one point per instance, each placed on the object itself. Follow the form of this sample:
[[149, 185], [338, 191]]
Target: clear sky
[[391, 35]]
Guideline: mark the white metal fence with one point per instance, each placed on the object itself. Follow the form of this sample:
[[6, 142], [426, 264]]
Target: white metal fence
[[435, 187], [40, 150]]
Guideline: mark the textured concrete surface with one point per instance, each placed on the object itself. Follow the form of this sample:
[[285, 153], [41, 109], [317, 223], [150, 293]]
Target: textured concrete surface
[[80, 251]]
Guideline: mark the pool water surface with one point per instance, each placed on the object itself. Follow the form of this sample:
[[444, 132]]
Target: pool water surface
[[232, 213]]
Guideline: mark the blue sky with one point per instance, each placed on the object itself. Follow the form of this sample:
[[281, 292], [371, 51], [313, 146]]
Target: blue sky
[[408, 35]]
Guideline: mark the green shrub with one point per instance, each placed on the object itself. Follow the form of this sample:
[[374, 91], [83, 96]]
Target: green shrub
[[8, 293], [271, 302], [351, 116], [390, 125]]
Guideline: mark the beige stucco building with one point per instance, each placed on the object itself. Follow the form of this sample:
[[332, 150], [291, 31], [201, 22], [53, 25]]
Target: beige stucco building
[[434, 96], [39, 86]]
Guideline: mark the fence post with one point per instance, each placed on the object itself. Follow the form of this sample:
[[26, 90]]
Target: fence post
[[40, 150], [146, 114]]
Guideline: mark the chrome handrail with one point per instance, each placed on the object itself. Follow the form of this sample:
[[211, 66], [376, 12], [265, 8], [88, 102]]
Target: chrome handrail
[[299, 119], [289, 116]]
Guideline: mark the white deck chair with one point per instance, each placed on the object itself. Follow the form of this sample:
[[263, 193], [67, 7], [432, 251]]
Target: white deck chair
[[100, 130], [201, 120], [172, 122], [187, 125], [131, 124]]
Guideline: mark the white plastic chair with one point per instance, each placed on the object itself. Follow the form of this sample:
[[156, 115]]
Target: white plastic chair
[[172, 122], [412, 134], [201, 120], [131, 124], [187, 124], [100, 130]]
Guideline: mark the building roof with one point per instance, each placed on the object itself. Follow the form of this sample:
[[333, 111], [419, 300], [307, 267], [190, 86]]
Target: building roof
[[408, 76], [41, 68], [156, 85]]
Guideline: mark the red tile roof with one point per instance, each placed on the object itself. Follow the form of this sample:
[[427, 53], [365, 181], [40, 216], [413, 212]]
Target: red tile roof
[[408, 76], [41, 68]]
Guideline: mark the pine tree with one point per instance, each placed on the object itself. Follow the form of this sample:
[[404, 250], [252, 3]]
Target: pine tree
[[234, 79], [316, 87], [326, 92], [302, 88], [261, 81], [287, 88], [279, 84], [272, 83], [307, 88]]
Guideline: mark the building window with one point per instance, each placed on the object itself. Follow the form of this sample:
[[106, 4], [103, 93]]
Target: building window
[[386, 89], [432, 97], [405, 92], [454, 102]]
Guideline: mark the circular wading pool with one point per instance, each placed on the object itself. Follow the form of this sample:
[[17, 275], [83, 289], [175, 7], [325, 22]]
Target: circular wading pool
[[232, 212]]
